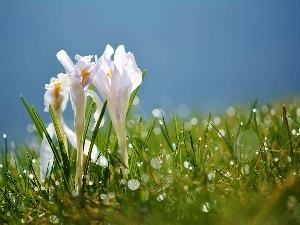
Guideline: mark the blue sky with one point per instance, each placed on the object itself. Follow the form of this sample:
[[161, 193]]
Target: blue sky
[[207, 54]]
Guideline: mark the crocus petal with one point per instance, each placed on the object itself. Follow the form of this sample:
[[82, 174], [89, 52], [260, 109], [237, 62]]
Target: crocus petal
[[132, 71], [102, 161], [67, 63], [108, 52], [99, 106], [71, 136], [120, 58], [46, 154]]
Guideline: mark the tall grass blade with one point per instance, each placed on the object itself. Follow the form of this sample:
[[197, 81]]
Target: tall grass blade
[[32, 116]]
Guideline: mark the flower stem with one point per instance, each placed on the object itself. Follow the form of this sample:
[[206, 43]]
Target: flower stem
[[79, 164]]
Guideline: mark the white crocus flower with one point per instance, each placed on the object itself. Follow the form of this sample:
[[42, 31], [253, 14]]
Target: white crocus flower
[[77, 80], [115, 81], [57, 96]]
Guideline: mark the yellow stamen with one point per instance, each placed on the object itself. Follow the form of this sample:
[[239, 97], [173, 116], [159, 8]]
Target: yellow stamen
[[109, 73], [85, 74], [57, 88]]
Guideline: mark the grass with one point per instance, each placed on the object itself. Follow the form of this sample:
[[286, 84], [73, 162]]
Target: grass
[[241, 167]]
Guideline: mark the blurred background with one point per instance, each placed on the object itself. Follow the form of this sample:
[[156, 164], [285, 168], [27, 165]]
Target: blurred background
[[203, 55]]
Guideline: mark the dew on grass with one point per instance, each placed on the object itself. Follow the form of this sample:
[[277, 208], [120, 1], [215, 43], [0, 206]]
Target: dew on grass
[[173, 146], [90, 183], [245, 169], [185, 187], [254, 110], [217, 120], [1, 166], [4, 135], [221, 133], [186, 164], [123, 181], [33, 161], [145, 177], [31, 176], [161, 196], [211, 175], [111, 195], [133, 184], [54, 219], [74, 193], [131, 123], [36, 188], [231, 162], [158, 112], [298, 112], [169, 179], [136, 100], [272, 112], [156, 163], [246, 146], [231, 111], [103, 196], [205, 207], [194, 121], [187, 126]]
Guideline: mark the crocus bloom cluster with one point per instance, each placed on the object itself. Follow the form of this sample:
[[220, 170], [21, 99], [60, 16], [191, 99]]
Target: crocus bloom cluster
[[115, 80]]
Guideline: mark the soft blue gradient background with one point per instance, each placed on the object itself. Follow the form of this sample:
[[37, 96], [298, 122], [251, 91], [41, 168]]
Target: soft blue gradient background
[[207, 54]]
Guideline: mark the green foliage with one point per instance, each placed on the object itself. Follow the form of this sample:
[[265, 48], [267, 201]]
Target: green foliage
[[243, 170]]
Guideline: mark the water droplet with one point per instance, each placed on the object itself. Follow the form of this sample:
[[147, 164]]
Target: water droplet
[[185, 187], [157, 112], [231, 111], [221, 133], [187, 126], [156, 163], [90, 183], [111, 195], [194, 121], [33, 161], [31, 176], [4, 135], [123, 181], [211, 175], [136, 100], [103, 196], [133, 184], [246, 169], [273, 112], [131, 123], [145, 177], [75, 193], [206, 207], [54, 219], [1, 165], [186, 164], [161, 196], [246, 146], [217, 120]]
